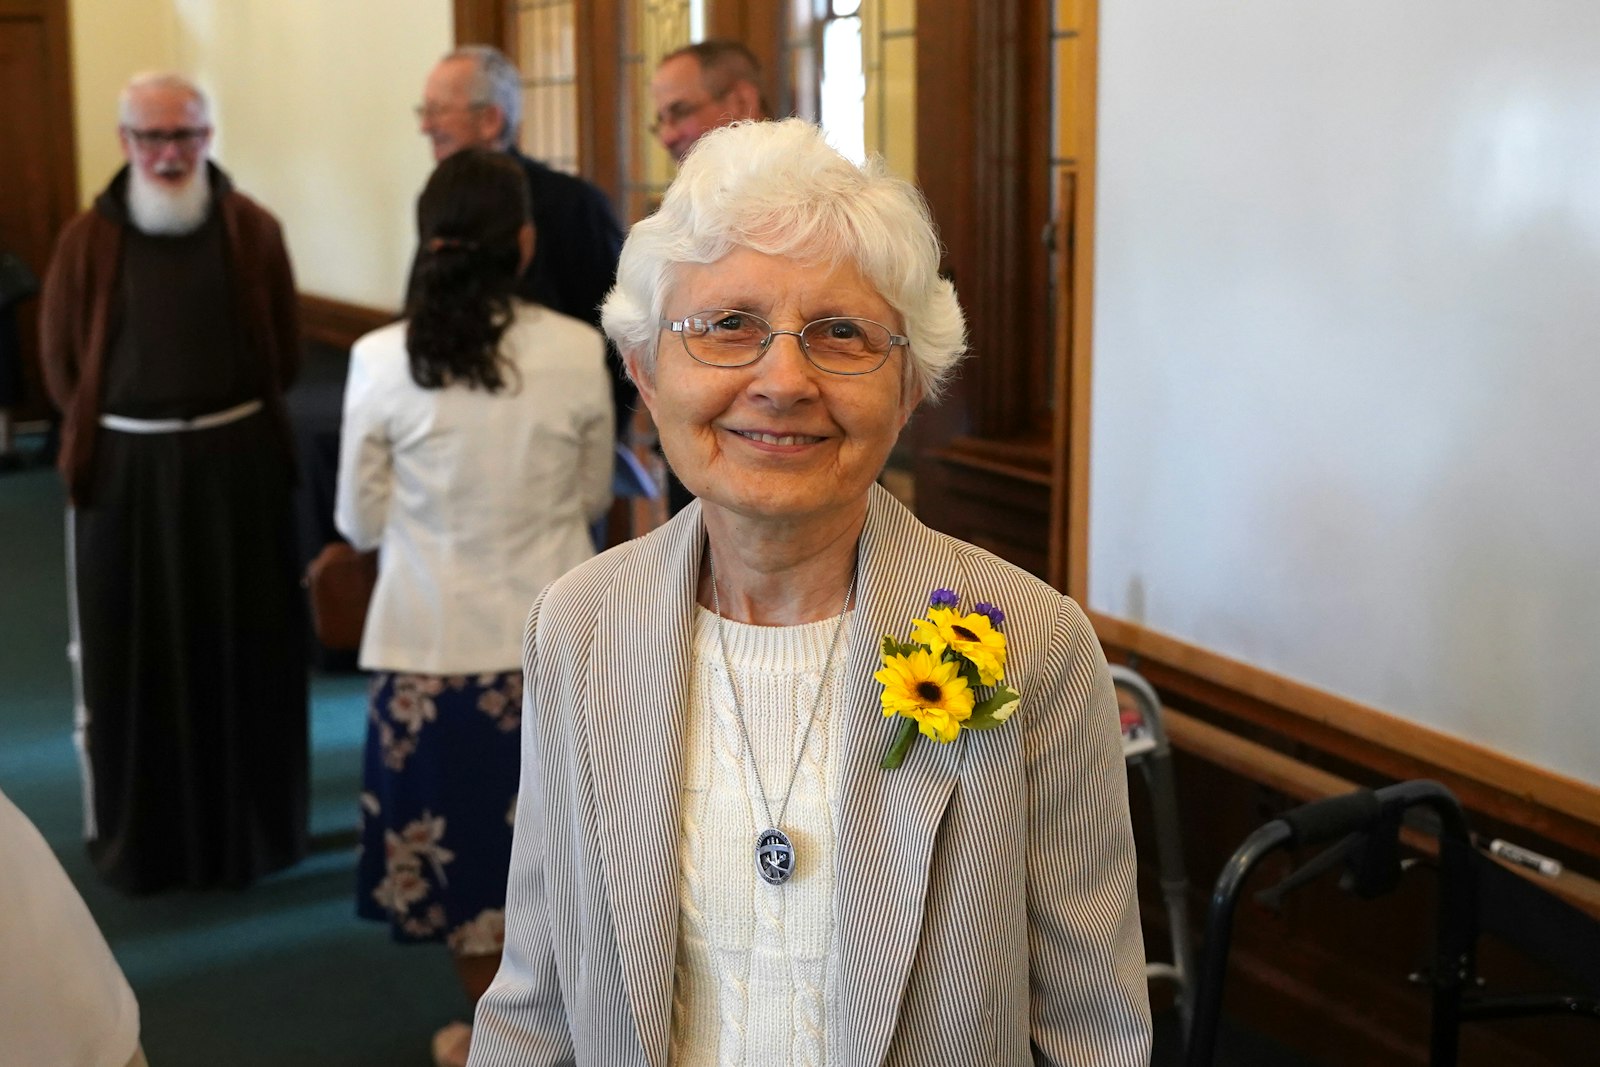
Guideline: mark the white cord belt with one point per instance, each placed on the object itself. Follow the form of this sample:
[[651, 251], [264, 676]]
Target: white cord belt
[[199, 422]]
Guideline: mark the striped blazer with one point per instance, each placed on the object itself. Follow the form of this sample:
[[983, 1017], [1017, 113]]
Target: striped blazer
[[984, 889]]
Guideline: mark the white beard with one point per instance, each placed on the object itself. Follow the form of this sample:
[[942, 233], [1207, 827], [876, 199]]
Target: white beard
[[159, 210]]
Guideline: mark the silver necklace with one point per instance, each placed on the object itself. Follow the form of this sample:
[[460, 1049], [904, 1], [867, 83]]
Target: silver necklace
[[774, 851]]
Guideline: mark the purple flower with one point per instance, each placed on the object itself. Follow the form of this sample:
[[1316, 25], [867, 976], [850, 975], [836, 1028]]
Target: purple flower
[[996, 616], [944, 598]]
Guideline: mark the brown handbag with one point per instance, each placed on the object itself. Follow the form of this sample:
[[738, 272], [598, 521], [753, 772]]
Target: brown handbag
[[340, 582]]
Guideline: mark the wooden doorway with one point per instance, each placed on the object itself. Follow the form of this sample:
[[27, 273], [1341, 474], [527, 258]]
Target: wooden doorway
[[38, 183]]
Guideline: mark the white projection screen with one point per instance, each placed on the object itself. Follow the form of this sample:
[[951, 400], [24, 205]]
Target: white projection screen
[[1346, 353]]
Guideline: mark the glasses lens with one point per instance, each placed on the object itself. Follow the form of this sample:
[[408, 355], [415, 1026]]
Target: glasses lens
[[846, 346], [184, 138], [725, 338]]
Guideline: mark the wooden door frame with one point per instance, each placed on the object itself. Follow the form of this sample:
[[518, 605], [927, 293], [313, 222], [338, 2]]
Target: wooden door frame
[[59, 171], [56, 16]]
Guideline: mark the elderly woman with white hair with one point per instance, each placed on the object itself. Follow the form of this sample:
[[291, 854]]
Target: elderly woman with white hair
[[804, 781]]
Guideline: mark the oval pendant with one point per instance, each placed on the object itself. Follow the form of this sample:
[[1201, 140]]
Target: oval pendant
[[774, 856]]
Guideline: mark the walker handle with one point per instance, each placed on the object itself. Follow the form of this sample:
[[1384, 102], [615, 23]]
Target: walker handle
[[1333, 818]]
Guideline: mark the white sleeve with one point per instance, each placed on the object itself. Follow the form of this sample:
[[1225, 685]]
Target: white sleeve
[[63, 999], [361, 503]]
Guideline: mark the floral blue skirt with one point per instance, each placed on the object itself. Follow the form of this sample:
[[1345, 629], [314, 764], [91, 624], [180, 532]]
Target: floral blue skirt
[[439, 792]]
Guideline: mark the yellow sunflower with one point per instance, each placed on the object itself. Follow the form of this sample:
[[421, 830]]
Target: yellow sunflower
[[972, 636], [933, 693]]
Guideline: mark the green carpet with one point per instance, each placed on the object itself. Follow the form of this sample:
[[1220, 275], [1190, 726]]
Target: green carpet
[[280, 975]]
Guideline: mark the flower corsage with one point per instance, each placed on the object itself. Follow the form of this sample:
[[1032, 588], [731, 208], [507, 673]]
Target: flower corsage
[[932, 681]]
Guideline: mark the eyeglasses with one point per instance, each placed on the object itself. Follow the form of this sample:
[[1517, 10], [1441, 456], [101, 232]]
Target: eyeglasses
[[429, 112], [184, 137], [723, 337], [680, 111]]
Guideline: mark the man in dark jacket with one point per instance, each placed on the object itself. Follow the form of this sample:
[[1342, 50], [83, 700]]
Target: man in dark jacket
[[167, 337], [473, 99]]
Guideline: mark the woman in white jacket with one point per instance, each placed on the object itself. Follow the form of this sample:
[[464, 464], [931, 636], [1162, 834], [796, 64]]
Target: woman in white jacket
[[476, 450]]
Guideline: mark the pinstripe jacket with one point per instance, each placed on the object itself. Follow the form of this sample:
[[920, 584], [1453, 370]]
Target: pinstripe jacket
[[985, 889]]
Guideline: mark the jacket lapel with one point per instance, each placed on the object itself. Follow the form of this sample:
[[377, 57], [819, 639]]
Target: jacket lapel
[[638, 689], [888, 820]]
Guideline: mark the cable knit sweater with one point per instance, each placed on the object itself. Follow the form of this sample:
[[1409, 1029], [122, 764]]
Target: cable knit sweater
[[751, 981]]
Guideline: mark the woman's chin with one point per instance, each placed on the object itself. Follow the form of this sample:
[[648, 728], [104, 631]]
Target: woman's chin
[[789, 505]]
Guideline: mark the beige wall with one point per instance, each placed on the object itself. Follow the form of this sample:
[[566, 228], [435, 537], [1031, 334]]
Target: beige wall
[[312, 103], [112, 39]]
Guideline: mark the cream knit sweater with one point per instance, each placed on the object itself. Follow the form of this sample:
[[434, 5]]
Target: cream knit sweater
[[751, 984]]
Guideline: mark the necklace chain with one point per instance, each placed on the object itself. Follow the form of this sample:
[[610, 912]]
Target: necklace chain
[[811, 718]]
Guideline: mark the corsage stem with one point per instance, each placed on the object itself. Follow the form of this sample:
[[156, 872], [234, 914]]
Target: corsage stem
[[902, 744]]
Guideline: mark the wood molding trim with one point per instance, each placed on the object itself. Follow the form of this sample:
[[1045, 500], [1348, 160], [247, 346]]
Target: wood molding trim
[[1560, 808], [1071, 514], [601, 93], [39, 195], [1024, 461], [1303, 782], [758, 25], [1325, 970], [55, 20], [336, 323], [480, 22], [1010, 161]]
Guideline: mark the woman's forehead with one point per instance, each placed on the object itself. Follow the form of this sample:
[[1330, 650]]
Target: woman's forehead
[[748, 279]]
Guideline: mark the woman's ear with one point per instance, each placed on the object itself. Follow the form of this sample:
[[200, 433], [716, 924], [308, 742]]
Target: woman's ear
[[911, 393], [647, 388], [744, 101], [525, 245]]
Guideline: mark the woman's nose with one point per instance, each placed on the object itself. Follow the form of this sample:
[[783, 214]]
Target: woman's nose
[[784, 373]]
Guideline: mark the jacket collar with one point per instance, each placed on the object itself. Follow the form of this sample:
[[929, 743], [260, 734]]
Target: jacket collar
[[888, 821]]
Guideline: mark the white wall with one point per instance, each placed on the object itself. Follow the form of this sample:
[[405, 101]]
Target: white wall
[[1347, 352], [312, 103]]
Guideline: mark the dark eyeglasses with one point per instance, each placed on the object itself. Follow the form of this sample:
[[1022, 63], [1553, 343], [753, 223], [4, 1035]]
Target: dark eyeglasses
[[723, 337], [183, 137]]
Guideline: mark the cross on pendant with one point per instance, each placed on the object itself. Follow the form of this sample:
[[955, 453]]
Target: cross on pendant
[[774, 856]]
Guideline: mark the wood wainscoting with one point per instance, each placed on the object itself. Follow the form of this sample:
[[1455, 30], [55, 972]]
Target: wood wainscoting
[[1328, 974], [337, 324], [994, 494]]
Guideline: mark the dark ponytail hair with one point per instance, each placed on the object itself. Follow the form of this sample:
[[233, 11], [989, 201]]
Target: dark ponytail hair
[[469, 218]]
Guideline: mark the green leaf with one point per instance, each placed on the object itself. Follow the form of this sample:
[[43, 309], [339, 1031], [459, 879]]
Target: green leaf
[[969, 671], [891, 647], [993, 710], [896, 753]]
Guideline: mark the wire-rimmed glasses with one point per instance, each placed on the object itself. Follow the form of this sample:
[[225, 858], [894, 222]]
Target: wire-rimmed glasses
[[723, 337]]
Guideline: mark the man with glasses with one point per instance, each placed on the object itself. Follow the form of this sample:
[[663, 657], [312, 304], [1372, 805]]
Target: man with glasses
[[701, 87], [168, 334]]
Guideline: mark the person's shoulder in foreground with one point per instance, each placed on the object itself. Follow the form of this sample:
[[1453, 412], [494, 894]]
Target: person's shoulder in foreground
[[63, 999]]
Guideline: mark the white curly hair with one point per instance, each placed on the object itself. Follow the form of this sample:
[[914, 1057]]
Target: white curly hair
[[780, 189]]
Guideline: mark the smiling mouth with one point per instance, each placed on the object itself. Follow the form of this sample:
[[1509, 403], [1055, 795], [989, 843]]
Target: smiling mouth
[[777, 439]]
